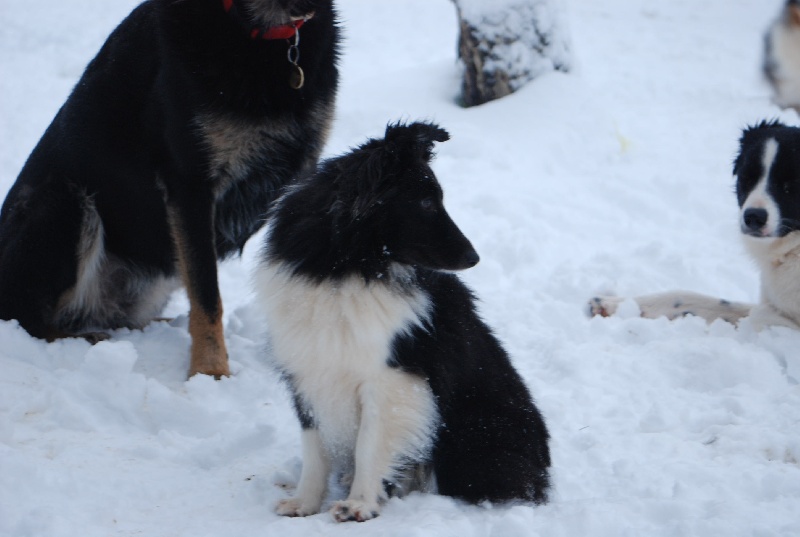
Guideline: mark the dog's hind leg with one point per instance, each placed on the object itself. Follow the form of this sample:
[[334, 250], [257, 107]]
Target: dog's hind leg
[[39, 232], [494, 447]]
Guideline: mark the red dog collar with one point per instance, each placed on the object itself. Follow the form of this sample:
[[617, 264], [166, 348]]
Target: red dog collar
[[284, 31]]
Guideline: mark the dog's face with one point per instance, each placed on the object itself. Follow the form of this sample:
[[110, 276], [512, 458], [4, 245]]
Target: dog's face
[[396, 196], [767, 172], [429, 238]]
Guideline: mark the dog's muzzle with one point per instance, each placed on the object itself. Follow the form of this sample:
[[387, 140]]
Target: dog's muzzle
[[754, 221]]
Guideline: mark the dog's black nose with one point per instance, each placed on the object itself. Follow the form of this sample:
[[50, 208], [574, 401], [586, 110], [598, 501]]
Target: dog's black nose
[[471, 259], [754, 219]]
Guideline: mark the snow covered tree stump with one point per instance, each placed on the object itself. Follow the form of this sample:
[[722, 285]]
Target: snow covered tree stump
[[506, 43]]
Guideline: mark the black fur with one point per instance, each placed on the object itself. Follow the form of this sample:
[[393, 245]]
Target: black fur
[[177, 137], [783, 183], [378, 213]]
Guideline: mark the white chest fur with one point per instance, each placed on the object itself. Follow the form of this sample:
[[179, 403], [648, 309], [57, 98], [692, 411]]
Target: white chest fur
[[334, 339], [779, 261]]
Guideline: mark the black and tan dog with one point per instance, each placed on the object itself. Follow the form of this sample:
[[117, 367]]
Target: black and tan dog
[[163, 160]]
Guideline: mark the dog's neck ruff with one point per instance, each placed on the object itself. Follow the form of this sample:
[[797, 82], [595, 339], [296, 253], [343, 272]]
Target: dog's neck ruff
[[284, 31]]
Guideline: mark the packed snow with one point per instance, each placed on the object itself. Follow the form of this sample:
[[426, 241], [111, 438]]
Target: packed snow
[[614, 178]]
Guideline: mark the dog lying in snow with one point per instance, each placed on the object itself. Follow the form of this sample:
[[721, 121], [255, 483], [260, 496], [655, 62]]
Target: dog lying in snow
[[394, 374], [767, 171]]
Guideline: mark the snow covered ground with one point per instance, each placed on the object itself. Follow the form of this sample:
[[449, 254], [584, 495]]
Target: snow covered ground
[[613, 178]]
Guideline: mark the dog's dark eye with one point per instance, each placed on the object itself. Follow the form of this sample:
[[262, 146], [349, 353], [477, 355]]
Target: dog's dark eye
[[428, 204]]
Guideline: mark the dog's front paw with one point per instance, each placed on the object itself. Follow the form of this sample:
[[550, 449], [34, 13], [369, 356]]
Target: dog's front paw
[[213, 365], [95, 337], [354, 510], [296, 507], [604, 306]]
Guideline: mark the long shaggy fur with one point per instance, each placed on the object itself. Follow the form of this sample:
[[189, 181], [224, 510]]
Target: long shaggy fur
[[164, 159], [393, 371]]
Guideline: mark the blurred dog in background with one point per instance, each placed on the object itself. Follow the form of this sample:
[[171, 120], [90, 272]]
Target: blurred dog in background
[[782, 56]]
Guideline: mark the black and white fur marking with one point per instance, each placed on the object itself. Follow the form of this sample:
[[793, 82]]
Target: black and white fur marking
[[392, 370], [767, 172]]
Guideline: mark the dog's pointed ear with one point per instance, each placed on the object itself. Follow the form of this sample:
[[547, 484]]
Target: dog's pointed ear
[[416, 138]]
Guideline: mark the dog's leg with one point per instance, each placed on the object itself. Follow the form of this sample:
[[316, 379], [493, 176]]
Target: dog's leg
[[38, 254], [675, 304], [192, 226], [373, 462], [397, 418], [208, 354], [764, 315], [313, 479]]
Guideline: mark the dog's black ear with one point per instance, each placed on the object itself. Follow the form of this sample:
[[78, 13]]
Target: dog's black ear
[[416, 138], [759, 128]]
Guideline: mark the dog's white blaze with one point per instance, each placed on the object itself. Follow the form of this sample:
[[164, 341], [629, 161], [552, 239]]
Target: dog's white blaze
[[759, 198], [334, 339], [777, 257]]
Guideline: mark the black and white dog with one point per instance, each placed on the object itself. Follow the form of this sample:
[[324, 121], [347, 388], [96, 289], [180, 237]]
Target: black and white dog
[[782, 56], [164, 159], [767, 172], [393, 372]]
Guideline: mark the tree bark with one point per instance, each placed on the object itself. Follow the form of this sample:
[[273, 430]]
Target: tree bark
[[504, 44]]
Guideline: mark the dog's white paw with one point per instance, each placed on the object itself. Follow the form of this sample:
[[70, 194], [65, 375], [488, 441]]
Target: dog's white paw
[[296, 507], [354, 510], [604, 306]]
